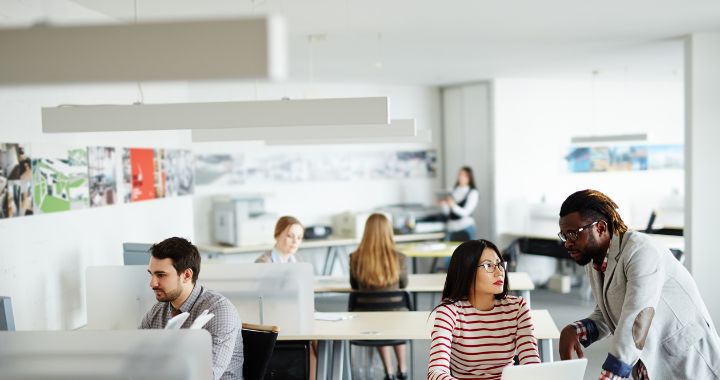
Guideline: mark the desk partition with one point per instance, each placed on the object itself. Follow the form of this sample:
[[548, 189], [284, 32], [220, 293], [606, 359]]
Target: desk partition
[[119, 296], [138, 354]]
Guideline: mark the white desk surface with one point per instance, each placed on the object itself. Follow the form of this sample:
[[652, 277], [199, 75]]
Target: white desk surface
[[380, 325], [417, 283], [332, 241]]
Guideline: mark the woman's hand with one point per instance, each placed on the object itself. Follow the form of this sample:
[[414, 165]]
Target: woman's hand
[[450, 201]]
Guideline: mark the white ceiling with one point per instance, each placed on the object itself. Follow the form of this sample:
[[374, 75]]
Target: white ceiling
[[440, 42]]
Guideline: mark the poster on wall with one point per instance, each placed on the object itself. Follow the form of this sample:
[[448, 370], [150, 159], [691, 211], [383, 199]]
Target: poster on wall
[[139, 179], [624, 158], [273, 167], [102, 176], [15, 181], [666, 157], [60, 181], [219, 169], [176, 171]]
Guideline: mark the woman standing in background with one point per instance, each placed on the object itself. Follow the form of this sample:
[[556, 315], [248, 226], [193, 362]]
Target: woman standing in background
[[288, 236], [376, 265], [460, 205]]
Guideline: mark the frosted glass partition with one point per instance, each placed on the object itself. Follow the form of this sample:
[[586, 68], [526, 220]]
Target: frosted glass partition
[[117, 296], [271, 294], [138, 354], [283, 295]]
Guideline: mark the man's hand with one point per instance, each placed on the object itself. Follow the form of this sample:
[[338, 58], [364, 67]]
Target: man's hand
[[568, 343]]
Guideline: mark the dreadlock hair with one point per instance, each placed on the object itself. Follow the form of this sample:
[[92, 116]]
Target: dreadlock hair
[[594, 205]]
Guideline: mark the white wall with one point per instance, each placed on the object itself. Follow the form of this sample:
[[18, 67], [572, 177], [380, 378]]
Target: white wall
[[702, 135], [534, 122], [43, 257], [316, 202]]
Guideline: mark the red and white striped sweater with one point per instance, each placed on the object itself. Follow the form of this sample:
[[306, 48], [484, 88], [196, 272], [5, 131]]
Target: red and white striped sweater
[[468, 343]]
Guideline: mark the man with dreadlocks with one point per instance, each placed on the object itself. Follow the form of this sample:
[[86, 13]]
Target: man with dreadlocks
[[644, 298]]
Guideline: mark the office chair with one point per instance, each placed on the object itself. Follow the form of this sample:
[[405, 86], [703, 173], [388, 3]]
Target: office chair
[[258, 346], [379, 300], [7, 321]]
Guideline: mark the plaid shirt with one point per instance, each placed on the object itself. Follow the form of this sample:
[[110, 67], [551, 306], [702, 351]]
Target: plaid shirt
[[582, 327], [224, 327]]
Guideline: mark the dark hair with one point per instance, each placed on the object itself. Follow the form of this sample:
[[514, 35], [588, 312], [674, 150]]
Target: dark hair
[[594, 205], [463, 270], [183, 254], [471, 177]]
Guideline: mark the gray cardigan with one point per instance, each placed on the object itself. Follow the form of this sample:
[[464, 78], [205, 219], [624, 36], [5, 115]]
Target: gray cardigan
[[651, 306]]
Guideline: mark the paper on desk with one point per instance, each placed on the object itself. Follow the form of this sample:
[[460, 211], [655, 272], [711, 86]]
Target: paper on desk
[[177, 321], [332, 316]]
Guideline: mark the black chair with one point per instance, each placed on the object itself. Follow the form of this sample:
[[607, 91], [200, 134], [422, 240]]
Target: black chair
[[290, 361], [258, 346], [380, 300]]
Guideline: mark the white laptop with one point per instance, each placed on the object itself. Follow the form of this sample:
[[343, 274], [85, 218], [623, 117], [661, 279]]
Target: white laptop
[[562, 370]]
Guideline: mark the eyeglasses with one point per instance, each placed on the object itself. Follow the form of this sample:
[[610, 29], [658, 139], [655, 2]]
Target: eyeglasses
[[490, 267], [573, 235]]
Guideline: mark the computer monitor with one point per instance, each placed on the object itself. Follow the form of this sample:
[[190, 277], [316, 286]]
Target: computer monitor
[[136, 253], [283, 295], [7, 321], [562, 370], [117, 296], [137, 354]]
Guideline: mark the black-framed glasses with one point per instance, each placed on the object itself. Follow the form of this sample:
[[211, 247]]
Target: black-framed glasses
[[490, 267], [573, 235]]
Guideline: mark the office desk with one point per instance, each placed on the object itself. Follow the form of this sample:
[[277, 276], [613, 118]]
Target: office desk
[[332, 244], [424, 250], [423, 283], [334, 336]]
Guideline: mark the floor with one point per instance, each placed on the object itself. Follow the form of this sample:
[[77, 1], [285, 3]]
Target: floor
[[564, 308]]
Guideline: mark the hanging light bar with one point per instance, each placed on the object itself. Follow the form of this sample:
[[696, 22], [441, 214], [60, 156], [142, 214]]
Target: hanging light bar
[[397, 128], [424, 136], [218, 115], [252, 48]]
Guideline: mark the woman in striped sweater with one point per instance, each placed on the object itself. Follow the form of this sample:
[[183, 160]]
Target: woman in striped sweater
[[478, 328]]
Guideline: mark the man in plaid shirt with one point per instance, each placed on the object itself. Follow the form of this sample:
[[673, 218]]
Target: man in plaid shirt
[[174, 268], [646, 301]]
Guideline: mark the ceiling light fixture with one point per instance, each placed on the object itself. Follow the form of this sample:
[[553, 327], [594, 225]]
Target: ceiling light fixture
[[423, 136], [396, 128], [252, 48], [217, 115]]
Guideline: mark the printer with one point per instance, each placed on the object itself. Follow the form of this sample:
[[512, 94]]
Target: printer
[[242, 221], [415, 218]]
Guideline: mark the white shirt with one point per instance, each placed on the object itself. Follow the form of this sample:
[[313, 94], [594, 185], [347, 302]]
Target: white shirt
[[466, 220]]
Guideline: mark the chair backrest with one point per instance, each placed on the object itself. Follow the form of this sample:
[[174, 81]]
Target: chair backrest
[[7, 321], [258, 346], [379, 300]]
